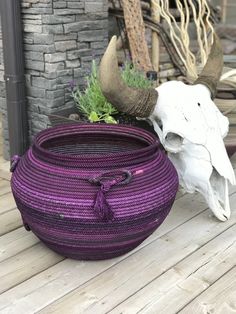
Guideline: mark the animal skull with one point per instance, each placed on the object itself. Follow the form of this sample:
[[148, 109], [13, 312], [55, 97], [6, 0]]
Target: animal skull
[[192, 130], [189, 125]]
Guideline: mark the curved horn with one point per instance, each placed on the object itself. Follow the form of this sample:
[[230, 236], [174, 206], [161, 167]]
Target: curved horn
[[212, 70], [134, 101]]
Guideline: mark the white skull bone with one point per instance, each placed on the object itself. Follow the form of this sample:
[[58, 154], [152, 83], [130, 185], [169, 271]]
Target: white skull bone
[[188, 123], [191, 129]]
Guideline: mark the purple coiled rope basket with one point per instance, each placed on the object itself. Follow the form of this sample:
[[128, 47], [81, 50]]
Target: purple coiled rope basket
[[93, 191]]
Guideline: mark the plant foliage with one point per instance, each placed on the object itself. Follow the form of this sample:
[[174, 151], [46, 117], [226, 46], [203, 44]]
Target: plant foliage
[[93, 104], [134, 77]]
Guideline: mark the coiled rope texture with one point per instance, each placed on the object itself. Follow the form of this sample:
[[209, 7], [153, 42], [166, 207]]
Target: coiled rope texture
[[93, 191]]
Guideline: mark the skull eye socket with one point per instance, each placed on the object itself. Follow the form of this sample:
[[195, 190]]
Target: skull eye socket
[[199, 105], [173, 142]]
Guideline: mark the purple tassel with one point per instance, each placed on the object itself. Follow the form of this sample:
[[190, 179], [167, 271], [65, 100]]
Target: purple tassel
[[101, 206], [106, 182]]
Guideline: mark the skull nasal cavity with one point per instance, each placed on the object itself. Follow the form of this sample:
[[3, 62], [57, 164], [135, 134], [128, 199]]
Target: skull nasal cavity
[[173, 141]]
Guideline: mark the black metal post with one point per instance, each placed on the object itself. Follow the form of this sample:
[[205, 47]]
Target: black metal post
[[14, 75]]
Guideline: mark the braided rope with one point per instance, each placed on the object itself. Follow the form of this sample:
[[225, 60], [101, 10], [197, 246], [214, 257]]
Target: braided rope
[[93, 191]]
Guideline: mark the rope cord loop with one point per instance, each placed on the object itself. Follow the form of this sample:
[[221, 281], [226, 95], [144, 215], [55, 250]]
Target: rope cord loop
[[106, 181]]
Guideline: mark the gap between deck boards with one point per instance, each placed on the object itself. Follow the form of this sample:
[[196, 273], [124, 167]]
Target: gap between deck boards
[[110, 264]]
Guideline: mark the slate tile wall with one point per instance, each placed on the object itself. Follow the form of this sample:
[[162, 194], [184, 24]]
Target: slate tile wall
[[60, 40]]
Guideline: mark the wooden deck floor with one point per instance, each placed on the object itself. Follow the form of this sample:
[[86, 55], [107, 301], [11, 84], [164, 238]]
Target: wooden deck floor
[[186, 266]]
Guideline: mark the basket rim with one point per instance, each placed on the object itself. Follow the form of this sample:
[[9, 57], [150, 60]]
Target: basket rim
[[131, 132]]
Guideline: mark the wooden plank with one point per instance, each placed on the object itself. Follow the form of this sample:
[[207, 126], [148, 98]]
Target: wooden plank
[[122, 276], [170, 292], [232, 118], [26, 264], [5, 175], [69, 274], [174, 220], [16, 241], [4, 187], [37, 292], [7, 203], [219, 298], [135, 272], [10, 221], [4, 169]]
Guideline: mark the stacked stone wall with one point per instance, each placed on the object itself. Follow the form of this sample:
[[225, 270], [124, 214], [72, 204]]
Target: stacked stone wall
[[61, 38]]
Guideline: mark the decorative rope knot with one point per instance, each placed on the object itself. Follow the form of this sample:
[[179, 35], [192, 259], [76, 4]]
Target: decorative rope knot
[[106, 181]]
